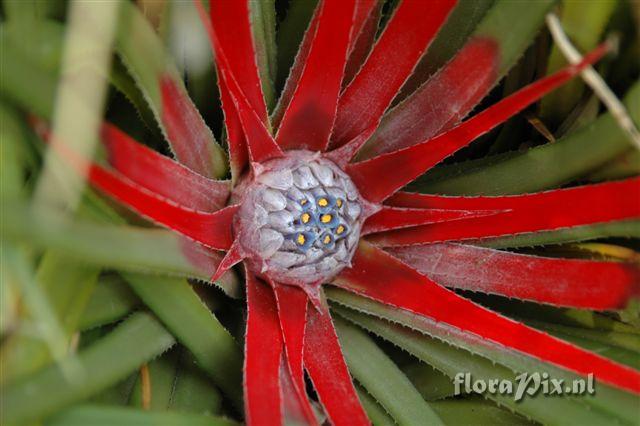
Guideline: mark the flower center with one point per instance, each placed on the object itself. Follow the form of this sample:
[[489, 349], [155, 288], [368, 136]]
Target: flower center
[[300, 219]]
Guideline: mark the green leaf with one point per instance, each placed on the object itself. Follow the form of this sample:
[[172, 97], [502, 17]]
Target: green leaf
[[584, 24], [162, 375], [193, 391], [452, 361], [498, 24], [458, 412], [66, 288], [624, 229], [110, 301], [608, 402], [262, 14], [97, 415], [182, 311], [625, 165], [24, 82], [382, 379], [538, 168], [462, 21], [431, 383], [289, 36], [142, 51], [113, 246], [375, 412], [139, 339]]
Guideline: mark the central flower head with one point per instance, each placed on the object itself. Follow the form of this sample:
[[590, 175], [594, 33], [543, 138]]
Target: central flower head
[[300, 219]]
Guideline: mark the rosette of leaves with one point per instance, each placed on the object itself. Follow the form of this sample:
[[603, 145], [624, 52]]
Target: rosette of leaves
[[214, 270]]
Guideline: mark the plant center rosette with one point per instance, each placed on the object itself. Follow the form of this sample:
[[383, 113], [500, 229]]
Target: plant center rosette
[[299, 220]]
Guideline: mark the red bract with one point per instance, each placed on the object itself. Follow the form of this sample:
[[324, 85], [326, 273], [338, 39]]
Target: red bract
[[286, 334]]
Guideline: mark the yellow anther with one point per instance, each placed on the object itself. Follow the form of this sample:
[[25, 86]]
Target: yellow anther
[[303, 202], [339, 202], [323, 202], [301, 239], [305, 217], [327, 239], [339, 229], [326, 218]]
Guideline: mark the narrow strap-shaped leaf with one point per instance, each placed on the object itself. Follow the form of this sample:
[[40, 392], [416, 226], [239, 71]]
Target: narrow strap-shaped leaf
[[406, 37], [191, 140], [544, 211], [177, 304], [441, 102], [380, 276], [249, 80], [409, 163], [324, 361], [562, 282], [157, 76], [368, 13], [49, 391], [295, 73], [382, 378], [210, 229], [232, 25], [292, 311], [452, 92], [162, 175], [309, 117], [260, 144], [104, 415], [238, 154], [262, 355], [389, 217], [116, 246], [363, 7], [452, 355]]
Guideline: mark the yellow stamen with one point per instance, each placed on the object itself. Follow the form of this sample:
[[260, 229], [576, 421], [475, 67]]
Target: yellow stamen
[[301, 239], [323, 202], [303, 202], [339, 229], [305, 218], [339, 202], [325, 218], [327, 239]]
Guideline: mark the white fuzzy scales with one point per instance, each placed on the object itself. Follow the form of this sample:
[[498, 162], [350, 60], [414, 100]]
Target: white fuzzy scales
[[300, 219]]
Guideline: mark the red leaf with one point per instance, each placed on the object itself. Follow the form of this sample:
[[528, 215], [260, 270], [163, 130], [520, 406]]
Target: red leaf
[[562, 282], [441, 102], [238, 71], [309, 117], [380, 276], [292, 310], [191, 140], [262, 355], [542, 211], [162, 175], [210, 229], [232, 26], [410, 163], [325, 364], [238, 154], [296, 71], [365, 27], [411, 29], [389, 218], [233, 256]]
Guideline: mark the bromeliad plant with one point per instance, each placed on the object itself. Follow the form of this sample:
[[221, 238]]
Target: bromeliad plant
[[316, 198]]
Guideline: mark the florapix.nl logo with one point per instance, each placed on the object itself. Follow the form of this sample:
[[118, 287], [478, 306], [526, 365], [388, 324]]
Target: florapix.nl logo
[[525, 384]]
